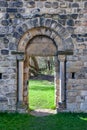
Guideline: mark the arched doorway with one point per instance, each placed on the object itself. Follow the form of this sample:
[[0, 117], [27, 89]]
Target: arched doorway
[[42, 46], [39, 41], [39, 45]]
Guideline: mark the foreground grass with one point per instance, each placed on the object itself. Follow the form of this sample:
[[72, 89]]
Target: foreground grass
[[61, 121], [41, 94]]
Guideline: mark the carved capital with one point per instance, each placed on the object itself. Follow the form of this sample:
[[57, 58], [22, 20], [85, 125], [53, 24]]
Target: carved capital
[[20, 57], [61, 58]]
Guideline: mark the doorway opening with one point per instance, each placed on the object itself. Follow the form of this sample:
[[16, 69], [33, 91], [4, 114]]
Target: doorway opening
[[41, 88], [41, 46]]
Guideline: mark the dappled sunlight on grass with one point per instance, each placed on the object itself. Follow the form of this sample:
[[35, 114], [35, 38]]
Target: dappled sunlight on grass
[[83, 117]]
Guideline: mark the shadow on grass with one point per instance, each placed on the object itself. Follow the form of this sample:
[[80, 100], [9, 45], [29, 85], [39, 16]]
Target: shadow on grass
[[61, 121], [41, 88]]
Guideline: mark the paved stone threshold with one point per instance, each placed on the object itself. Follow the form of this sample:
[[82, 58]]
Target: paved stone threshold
[[43, 112]]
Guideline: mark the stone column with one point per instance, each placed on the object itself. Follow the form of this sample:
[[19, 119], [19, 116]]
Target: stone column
[[56, 80], [26, 78], [61, 81], [20, 81], [20, 58]]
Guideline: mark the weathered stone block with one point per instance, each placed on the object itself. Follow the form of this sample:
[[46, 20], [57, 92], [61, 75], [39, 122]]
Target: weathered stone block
[[63, 16], [16, 35], [3, 99], [2, 35], [84, 93], [80, 98], [80, 39], [12, 46], [3, 107], [3, 4], [20, 30], [4, 52], [40, 4], [34, 22], [48, 4], [70, 22], [6, 16], [83, 107], [73, 107], [11, 102], [55, 5], [61, 21], [18, 15], [31, 4], [75, 5], [5, 22], [74, 16], [6, 41], [17, 4], [48, 22], [11, 10], [85, 4]]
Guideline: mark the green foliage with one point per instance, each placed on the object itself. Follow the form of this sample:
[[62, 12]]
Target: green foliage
[[61, 121], [41, 94]]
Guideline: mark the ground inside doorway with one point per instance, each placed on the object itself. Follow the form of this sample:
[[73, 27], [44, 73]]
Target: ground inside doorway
[[41, 94], [43, 112]]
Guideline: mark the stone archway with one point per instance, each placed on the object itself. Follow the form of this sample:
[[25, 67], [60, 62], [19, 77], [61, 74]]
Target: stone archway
[[60, 39], [39, 45]]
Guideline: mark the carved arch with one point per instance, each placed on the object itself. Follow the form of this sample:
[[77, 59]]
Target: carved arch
[[43, 26], [30, 34]]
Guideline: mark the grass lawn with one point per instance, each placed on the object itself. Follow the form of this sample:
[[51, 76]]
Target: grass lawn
[[41, 94], [61, 121]]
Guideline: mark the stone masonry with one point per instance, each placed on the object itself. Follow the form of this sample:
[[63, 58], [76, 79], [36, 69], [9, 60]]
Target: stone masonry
[[62, 23]]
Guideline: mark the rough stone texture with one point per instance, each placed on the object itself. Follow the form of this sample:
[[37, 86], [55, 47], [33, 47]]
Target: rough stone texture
[[62, 21], [43, 44]]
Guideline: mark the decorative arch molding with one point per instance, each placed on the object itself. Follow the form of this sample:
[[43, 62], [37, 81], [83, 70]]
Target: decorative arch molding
[[40, 31], [43, 26]]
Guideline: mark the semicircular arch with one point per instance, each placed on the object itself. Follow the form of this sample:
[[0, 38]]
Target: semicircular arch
[[41, 45], [47, 27]]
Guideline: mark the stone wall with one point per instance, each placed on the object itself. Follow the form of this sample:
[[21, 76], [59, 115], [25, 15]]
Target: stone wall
[[72, 16]]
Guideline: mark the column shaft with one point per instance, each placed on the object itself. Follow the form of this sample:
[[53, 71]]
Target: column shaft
[[61, 82], [56, 80], [20, 82]]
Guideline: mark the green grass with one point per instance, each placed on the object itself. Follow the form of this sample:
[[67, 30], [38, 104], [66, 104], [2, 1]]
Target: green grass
[[61, 121], [41, 94]]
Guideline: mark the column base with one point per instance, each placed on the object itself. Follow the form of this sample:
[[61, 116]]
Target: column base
[[61, 107], [21, 108]]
